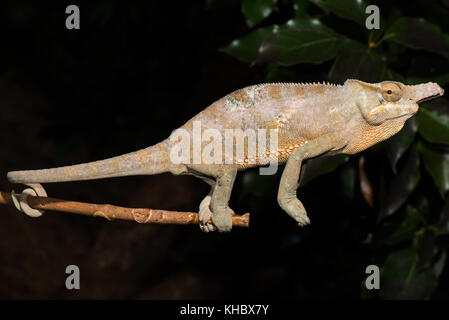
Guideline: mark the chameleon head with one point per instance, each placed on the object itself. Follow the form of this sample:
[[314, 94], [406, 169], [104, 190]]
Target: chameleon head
[[393, 100]]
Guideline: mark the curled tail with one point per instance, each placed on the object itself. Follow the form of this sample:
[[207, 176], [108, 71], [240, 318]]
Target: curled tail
[[152, 160]]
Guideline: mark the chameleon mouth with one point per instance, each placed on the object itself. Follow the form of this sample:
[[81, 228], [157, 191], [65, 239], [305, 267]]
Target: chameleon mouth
[[407, 115]]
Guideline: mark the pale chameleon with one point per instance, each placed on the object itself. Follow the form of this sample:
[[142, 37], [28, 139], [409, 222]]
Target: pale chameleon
[[312, 120]]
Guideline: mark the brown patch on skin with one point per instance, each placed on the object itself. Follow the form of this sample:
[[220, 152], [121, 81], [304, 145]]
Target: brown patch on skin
[[143, 156], [188, 126], [271, 125], [126, 157], [274, 91], [241, 96], [299, 92], [93, 168], [115, 166], [310, 137], [318, 90]]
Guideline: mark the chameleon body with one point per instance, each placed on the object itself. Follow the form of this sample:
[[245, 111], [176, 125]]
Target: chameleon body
[[311, 120]]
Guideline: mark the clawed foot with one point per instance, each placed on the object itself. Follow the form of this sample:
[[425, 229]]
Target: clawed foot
[[221, 217], [296, 210], [205, 215]]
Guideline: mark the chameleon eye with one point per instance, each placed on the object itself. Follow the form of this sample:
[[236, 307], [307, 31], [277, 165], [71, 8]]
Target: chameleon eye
[[391, 92]]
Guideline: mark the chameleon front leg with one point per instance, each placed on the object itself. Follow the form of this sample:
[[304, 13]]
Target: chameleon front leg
[[290, 177]]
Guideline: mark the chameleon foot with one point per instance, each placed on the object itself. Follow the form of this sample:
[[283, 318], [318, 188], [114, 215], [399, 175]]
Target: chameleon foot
[[204, 216], [222, 218], [296, 210]]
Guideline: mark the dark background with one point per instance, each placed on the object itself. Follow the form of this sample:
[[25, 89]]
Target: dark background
[[133, 73]]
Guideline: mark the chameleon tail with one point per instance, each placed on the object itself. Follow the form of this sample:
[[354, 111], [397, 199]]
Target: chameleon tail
[[152, 160]]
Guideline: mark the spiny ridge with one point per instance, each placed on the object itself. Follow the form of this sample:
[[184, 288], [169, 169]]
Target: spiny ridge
[[309, 84]]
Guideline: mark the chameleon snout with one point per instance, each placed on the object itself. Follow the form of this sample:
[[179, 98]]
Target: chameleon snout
[[425, 91]]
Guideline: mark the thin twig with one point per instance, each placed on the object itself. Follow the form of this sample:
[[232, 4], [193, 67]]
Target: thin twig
[[111, 212]]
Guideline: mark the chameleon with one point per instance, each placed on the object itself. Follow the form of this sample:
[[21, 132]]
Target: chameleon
[[310, 119]]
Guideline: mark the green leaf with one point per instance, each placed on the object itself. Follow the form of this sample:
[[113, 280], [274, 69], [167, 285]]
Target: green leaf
[[398, 144], [246, 48], [401, 185], [300, 40], [320, 166], [402, 279], [357, 62], [433, 127], [437, 164], [347, 9], [257, 10], [406, 228], [417, 33]]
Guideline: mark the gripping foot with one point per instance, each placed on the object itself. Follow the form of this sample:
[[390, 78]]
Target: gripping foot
[[221, 219], [205, 215]]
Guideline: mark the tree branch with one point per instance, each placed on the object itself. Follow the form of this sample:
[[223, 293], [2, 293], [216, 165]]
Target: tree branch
[[111, 212]]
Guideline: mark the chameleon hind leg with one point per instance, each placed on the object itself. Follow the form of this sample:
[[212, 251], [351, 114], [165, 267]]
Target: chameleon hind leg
[[221, 213], [287, 198], [205, 213], [215, 205]]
